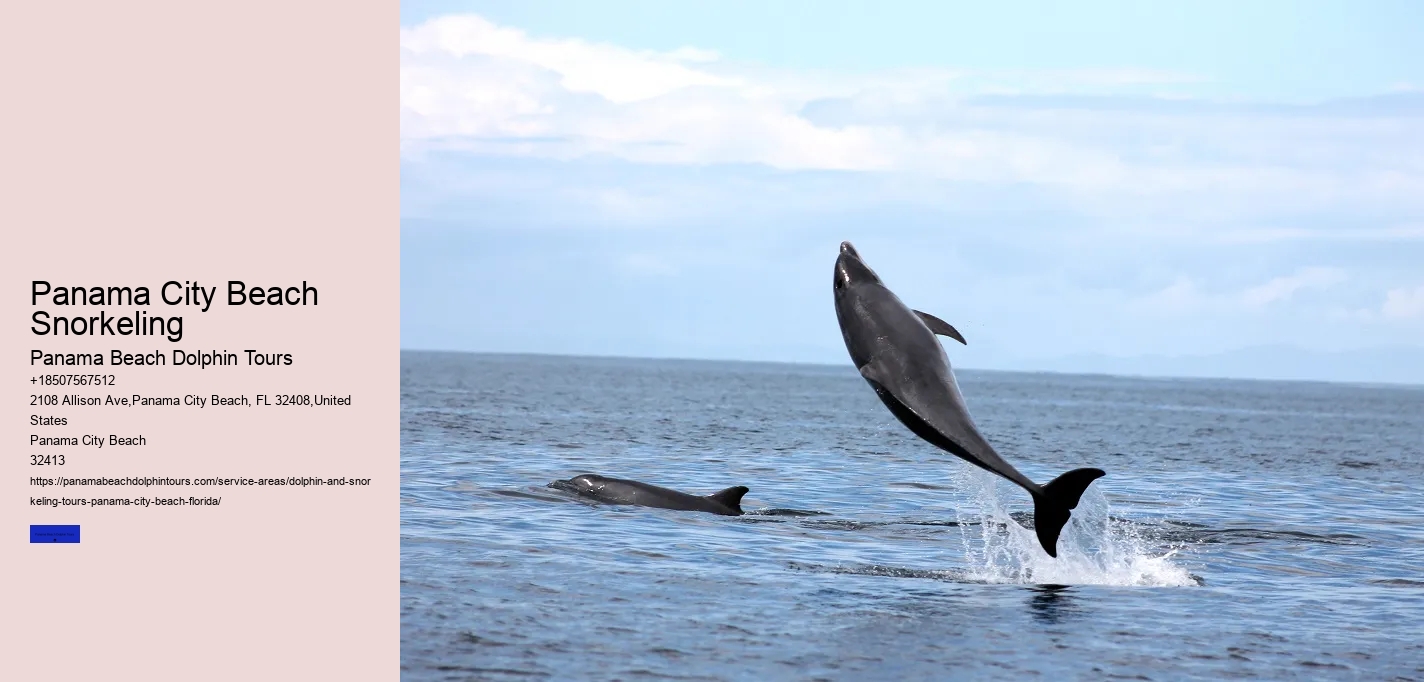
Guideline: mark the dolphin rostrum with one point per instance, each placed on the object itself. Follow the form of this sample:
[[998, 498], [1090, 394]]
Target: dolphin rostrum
[[622, 491], [896, 351]]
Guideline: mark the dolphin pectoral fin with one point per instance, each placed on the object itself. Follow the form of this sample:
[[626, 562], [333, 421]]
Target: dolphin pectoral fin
[[881, 381], [731, 497], [872, 373], [941, 327]]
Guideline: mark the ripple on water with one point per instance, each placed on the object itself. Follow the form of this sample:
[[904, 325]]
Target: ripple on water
[[865, 554]]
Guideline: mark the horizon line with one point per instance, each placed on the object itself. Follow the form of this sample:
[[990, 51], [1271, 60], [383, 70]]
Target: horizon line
[[1364, 384]]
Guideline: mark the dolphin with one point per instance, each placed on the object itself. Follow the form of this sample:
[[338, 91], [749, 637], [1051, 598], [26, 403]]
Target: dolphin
[[895, 349], [622, 491]]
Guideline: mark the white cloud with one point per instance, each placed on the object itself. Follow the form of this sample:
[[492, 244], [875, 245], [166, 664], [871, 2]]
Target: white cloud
[[485, 86], [1404, 303], [1181, 296], [1282, 288], [1089, 138], [1093, 209], [1363, 233], [1185, 297], [614, 73], [470, 84]]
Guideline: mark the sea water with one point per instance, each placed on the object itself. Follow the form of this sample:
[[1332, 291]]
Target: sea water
[[1266, 530]]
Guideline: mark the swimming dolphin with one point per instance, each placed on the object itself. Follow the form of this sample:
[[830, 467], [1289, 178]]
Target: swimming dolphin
[[622, 491], [896, 351]]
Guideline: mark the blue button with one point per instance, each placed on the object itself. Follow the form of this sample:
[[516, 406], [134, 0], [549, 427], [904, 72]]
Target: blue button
[[54, 534]]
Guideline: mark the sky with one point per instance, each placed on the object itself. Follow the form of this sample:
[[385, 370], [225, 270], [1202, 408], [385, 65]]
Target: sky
[[1219, 189]]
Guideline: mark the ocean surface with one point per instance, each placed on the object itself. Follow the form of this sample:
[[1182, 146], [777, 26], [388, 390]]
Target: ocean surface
[[1245, 529]]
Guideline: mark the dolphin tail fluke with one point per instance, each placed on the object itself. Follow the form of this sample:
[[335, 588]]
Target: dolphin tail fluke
[[1054, 505]]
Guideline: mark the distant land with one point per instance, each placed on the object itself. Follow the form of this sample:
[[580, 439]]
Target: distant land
[[1387, 365]]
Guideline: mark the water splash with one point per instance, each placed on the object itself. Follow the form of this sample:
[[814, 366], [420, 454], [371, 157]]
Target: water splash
[[1092, 550]]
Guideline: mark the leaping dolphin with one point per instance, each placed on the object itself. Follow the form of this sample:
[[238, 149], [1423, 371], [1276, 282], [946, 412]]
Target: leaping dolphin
[[896, 351], [622, 491]]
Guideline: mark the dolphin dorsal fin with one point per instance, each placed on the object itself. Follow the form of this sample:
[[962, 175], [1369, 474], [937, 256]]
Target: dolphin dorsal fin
[[941, 327], [731, 497]]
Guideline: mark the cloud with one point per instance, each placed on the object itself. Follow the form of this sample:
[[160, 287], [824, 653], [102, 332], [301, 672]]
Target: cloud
[[1093, 138], [1184, 296], [1282, 288], [614, 73], [1100, 205], [469, 84], [1181, 296], [1404, 303], [1366, 233]]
